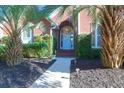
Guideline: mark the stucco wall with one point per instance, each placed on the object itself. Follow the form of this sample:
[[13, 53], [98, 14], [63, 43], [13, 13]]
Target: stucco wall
[[85, 22], [57, 19]]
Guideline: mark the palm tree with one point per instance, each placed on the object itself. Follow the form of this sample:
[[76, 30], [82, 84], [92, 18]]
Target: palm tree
[[111, 23], [112, 35], [13, 20]]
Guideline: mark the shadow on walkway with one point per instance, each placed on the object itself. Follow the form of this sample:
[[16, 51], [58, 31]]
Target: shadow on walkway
[[57, 76]]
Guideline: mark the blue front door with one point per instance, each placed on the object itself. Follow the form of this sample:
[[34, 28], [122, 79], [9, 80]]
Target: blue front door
[[66, 41]]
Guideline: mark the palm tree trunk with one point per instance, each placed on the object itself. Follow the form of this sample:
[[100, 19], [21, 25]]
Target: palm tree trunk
[[14, 49]]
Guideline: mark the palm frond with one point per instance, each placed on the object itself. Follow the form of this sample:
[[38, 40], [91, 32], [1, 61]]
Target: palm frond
[[47, 10]]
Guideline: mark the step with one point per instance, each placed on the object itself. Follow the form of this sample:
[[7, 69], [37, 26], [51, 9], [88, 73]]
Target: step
[[68, 53]]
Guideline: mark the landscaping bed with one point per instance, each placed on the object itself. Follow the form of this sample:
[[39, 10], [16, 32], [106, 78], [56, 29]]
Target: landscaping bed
[[93, 75], [23, 75]]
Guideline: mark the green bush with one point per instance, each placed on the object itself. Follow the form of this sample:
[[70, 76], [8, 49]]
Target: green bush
[[2, 51], [83, 47], [37, 38], [49, 41], [3, 40], [27, 51], [54, 45], [36, 49], [39, 49]]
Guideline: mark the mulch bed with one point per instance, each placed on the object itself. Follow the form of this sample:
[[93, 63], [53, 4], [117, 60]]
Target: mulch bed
[[22, 75], [93, 75]]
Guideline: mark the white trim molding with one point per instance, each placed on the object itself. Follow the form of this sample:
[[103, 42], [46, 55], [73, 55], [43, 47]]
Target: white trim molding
[[1, 34], [79, 29], [27, 35], [94, 30]]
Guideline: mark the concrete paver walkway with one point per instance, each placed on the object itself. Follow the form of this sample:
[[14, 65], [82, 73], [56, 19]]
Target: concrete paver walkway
[[57, 76]]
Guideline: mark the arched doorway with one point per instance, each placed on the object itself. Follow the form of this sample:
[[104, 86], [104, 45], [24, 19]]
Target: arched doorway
[[66, 38]]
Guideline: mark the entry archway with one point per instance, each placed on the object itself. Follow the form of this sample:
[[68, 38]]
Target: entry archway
[[66, 38]]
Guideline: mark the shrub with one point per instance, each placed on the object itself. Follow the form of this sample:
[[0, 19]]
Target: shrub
[[54, 45], [27, 51], [49, 41], [4, 40], [46, 39], [35, 49], [39, 49], [83, 47], [37, 38], [2, 51]]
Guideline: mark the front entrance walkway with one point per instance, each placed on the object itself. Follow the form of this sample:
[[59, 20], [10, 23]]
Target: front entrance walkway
[[57, 76]]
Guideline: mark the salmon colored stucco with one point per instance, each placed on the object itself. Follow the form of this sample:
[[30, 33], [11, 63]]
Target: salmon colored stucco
[[85, 22], [39, 31], [3, 30], [58, 19]]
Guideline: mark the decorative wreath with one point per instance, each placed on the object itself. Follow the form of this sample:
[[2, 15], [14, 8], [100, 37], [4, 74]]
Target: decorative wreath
[[67, 29]]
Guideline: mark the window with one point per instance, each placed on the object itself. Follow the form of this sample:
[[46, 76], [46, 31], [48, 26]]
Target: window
[[95, 40], [1, 33], [26, 35]]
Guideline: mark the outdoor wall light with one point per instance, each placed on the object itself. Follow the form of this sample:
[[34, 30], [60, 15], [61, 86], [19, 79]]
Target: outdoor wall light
[[77, 72]]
